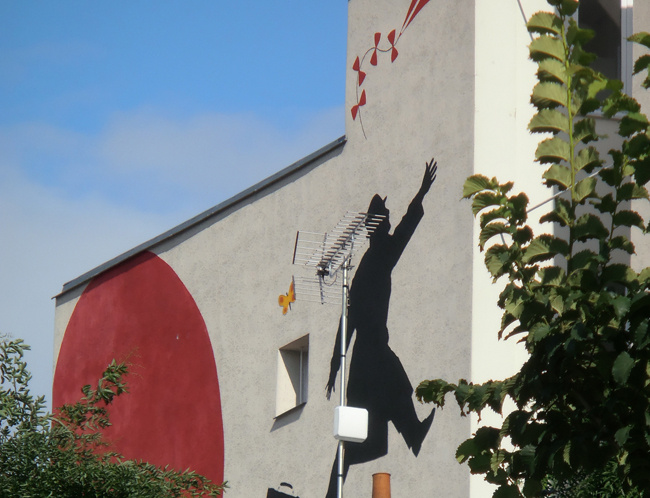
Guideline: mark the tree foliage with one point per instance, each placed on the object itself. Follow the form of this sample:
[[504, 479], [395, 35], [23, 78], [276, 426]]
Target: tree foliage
[[65, 455], [582, 398]]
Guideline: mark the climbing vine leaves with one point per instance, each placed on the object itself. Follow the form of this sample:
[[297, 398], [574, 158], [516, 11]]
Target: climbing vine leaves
[[66, 455], [582, 398]]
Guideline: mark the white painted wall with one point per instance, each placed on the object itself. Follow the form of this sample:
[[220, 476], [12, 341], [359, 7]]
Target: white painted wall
[[503, 148]]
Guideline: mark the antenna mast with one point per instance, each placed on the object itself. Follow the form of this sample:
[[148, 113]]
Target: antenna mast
[[329, 254]]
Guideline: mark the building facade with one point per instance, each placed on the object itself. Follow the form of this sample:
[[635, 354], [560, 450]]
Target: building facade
[[224, 382]]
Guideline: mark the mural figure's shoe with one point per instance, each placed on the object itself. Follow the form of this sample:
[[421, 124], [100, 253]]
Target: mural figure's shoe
[[423, 430]]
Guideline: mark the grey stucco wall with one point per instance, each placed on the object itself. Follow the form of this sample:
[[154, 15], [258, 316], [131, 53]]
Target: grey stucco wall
[[420, 105], [417, 108], [236, 264]]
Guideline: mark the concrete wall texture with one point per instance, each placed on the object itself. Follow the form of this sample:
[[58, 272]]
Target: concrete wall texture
[[196, 312]]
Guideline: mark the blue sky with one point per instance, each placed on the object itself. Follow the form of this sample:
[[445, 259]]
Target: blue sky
[[121, 119]]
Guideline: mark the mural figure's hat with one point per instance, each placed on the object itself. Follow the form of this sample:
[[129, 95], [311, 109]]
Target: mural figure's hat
[[378, 206]]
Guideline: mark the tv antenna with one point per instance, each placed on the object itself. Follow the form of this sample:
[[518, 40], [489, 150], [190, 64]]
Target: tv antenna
[[329, 256]]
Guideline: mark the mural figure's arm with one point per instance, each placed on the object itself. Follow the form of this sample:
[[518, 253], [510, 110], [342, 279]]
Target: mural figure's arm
[[428, 179], [409, 222], [335, 364]]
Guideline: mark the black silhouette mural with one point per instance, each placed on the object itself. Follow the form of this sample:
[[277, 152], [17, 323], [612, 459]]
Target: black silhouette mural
[[276, 493], [377, 380]]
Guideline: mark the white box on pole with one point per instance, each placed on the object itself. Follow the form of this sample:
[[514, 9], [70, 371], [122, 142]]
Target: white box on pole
[[350, 424]]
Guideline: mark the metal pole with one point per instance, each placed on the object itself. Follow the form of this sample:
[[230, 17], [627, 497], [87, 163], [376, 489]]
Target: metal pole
[[344, 328]]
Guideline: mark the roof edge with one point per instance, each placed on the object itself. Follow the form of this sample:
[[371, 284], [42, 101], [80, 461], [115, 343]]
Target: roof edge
[[227, 204]]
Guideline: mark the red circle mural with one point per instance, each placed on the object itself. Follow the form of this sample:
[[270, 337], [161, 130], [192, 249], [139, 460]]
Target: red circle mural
[[141, 312]]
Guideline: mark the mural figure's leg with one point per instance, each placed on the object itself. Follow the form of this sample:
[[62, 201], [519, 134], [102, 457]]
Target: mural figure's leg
[[409, 426]]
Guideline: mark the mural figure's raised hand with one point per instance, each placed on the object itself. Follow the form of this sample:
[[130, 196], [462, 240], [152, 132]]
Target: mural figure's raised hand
[[429, 177]]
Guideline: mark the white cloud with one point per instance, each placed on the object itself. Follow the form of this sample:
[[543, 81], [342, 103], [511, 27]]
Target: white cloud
[[69, 201], [158, 163], [47, 240], [209, 153]]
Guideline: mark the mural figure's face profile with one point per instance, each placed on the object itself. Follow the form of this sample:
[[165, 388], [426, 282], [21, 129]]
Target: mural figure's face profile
[[378, 206]]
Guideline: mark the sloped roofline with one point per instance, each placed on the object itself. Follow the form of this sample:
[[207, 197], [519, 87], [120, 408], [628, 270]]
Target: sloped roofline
[[219, 208]]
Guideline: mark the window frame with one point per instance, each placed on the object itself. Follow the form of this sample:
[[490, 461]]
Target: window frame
[[292, 378], [626, 63]]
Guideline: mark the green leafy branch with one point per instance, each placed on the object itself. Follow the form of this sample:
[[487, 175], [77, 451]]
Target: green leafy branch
[[582, 398], [66, 455]]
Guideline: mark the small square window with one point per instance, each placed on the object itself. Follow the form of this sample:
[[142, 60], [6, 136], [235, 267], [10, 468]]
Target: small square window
[[293, 367]]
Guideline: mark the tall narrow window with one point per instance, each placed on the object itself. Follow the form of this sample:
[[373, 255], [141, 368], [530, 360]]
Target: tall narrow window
[[604, 17], [293, 368]]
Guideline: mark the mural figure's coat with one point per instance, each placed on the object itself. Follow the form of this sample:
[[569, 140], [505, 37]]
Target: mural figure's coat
[[378, 381]]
